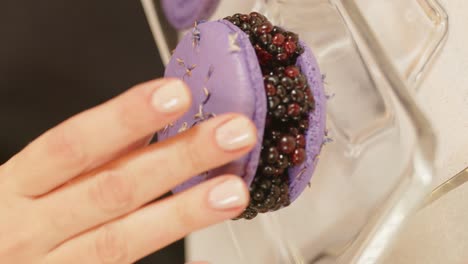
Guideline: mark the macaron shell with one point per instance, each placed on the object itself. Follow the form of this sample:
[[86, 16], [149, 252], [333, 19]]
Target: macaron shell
[[182, 14], [300, 176], [224, 62]]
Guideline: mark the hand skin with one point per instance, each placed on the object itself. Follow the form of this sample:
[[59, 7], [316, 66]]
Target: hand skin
[[82, 192]]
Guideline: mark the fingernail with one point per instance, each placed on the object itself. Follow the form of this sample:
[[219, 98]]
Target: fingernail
[[228, 195], [235, 134], [172, 97]]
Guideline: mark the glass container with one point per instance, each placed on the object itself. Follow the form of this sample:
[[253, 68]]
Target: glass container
[[377, 165]]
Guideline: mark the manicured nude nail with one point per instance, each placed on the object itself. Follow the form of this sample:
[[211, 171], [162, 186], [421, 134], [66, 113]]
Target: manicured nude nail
[[172, 97], [236, 134], [228, 195]]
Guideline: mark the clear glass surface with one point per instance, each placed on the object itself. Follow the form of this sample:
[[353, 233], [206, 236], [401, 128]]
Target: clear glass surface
[[377, 166], [411, 32]]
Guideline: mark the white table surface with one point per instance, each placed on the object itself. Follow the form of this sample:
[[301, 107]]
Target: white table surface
[[437, 234]]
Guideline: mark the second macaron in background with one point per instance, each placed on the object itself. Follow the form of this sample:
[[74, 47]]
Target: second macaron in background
[[183, 13]]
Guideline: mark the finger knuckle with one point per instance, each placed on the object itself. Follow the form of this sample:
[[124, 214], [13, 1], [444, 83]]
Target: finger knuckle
[[127, 117], [191, 156], [110, 245], [184, 217], [61, 223], [113, 191], [64, 142]]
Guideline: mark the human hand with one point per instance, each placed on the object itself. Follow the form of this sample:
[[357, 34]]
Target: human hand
[[82, 191]]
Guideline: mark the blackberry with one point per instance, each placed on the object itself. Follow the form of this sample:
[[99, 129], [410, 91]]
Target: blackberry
[[287, 82], [273, 79], [290, 47], [289, 85], [298, 156], [272, 48], [270, 89], [287, 144], [266, 27], [272, 155], [282, 57], [244, 18], [277, 30], [278, 39], [273, 102], [275, 134], [275, 191], [293, 131], [294, 110], [292, 71], [249, 213], [245, 26], [269, 203], [280, 112], [286, 100], [300, 80], [258, 195], [281, 46], [265, 184], [300, 141], [262, 208], [265, 40], [297, 95], [268, 171], [289, 102], [283, 161], [303, 125], [281, 91]]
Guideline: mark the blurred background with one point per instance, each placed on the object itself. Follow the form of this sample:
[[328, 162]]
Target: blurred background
[[58, 58]]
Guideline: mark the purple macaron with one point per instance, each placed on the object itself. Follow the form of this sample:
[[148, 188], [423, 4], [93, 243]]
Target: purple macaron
[[182, 14], [225, 73]]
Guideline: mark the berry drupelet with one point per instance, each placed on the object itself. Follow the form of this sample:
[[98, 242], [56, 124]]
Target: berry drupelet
[[289, 104]]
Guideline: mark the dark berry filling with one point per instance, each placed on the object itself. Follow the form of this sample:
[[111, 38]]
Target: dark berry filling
[[273, 45], [289, 103]]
